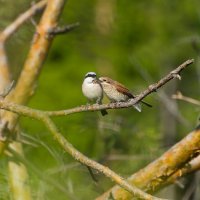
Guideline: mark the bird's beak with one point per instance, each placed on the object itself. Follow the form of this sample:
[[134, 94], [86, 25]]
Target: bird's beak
[[98, 81]]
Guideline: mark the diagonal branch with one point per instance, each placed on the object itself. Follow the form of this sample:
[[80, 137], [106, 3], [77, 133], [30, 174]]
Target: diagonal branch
[[68, 147], [170, 166], [133, 191], [152, 88]]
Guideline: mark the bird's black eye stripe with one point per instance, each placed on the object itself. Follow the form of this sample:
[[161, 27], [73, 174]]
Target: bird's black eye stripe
[[90, 75]]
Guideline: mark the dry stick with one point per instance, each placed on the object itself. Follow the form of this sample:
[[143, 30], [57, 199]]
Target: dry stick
[[68, 147], [179, 96]]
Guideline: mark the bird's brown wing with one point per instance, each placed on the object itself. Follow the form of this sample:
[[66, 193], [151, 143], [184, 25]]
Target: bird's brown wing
[[122, 89]]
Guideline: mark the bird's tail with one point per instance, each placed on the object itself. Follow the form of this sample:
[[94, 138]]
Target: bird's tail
[[138, 107], [145, 103]]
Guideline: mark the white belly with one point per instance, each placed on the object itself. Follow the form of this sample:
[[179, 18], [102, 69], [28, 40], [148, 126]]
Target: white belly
[[92, 91]]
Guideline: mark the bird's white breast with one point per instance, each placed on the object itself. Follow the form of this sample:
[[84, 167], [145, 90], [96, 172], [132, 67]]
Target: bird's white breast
[[91, 90]]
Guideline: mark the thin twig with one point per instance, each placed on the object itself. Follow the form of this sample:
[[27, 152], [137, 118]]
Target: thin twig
[[63, 30], [179, 96]]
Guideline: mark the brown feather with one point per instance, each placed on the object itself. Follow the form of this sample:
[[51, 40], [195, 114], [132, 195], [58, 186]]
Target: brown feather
[[122, 89]]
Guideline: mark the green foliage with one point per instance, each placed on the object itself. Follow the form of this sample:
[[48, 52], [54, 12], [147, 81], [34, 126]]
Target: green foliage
[[145, 40]]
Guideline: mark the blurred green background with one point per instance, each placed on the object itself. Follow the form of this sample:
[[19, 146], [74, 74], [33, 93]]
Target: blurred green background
[[134, 42]]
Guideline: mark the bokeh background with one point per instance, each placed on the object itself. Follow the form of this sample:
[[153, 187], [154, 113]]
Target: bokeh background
[[134, 42]]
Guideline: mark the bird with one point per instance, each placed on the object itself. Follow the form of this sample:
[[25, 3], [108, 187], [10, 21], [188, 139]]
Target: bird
[[92, 89], [116, 92]]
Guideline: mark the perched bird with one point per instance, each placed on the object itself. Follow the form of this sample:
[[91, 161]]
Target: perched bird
[[116, 92], [92, 89]]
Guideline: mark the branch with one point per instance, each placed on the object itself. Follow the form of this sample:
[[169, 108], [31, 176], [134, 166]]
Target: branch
[[179, 96], [165, 169], [192, 166], [133, 191], [152, 88], [68, 147]]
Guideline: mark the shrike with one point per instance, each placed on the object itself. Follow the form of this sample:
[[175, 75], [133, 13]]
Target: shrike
[[92, 89], [116, 92]]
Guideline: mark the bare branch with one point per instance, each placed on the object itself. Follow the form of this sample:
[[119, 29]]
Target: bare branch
[[152, 88], [179, 96]]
